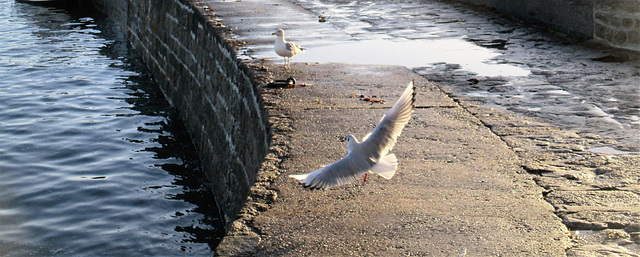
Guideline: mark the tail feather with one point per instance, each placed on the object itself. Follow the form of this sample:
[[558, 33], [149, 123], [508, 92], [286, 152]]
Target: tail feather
[[386, 167]]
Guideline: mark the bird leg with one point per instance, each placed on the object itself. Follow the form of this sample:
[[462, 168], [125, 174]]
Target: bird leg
[[365, 178]]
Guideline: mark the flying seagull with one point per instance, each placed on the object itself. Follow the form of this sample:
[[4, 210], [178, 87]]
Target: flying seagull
[[370, 155], [284, 48]]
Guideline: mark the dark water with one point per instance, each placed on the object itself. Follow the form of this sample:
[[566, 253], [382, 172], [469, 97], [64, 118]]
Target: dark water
[[93, 161]]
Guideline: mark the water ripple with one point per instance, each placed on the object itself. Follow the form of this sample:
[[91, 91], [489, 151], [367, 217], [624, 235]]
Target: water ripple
[[92, 159]]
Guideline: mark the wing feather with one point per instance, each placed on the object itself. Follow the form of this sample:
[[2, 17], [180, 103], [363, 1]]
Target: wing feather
[[375, 146], [295, 49], [338, 173], [386, 133]]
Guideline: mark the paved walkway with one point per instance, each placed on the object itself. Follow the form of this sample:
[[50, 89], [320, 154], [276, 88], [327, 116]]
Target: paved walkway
[[460, 190]]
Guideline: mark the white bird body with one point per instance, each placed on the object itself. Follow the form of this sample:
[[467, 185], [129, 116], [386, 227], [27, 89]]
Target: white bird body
[[284, 48], [371, 155]]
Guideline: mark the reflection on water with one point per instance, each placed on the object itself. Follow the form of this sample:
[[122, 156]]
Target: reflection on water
[[414, 53], [93, 160]]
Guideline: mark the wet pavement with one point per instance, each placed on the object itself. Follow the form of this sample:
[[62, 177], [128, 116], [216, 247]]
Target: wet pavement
[[515, 66], [567, 113]]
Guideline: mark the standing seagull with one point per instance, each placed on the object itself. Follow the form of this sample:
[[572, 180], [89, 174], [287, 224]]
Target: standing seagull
[[284, 48], [370, 155]]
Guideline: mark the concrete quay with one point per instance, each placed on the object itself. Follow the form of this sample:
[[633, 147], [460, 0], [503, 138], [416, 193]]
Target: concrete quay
[[460, 189]]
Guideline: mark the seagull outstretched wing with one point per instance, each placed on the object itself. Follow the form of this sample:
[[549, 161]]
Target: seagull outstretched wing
[[385, 135], [344, 171], [370, 155]]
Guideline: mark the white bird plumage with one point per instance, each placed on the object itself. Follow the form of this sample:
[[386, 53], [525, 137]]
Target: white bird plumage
[[284, 48], [371, 155]]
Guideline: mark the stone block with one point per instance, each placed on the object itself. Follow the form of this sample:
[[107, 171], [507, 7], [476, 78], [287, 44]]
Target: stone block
[[627, 23], [600, 31], [633, 38], [620, 37], [199, 74], [601, 18]]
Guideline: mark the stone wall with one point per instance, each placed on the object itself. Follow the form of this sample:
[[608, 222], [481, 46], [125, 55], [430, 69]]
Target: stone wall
[[199, 73], [613, 22], [617, 23]]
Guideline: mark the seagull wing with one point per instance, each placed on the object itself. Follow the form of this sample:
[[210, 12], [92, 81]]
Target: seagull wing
[[370, 154], [338, 173], [295, 49], [385, 135]]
